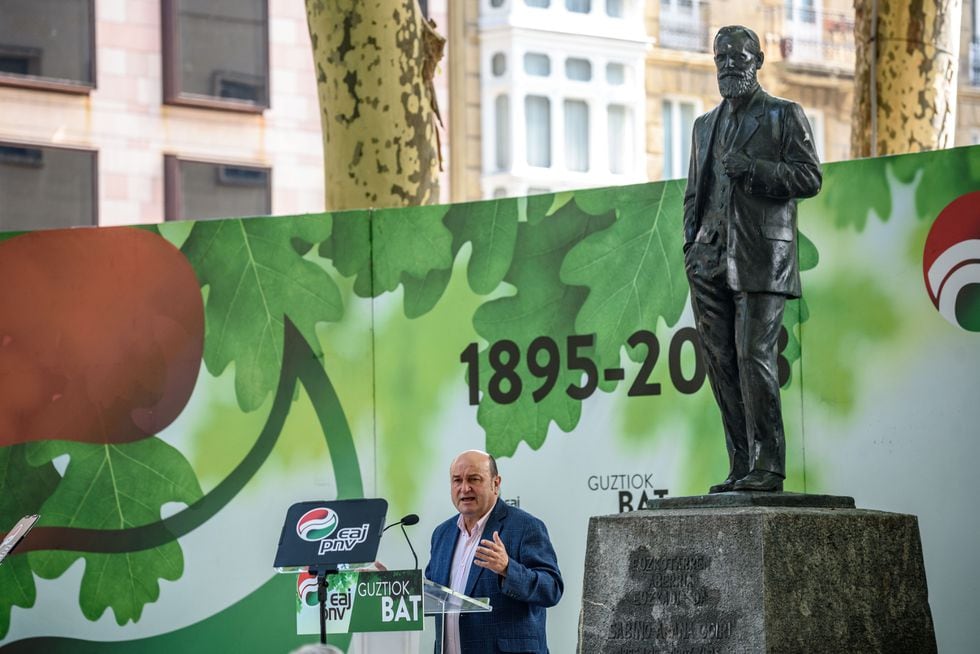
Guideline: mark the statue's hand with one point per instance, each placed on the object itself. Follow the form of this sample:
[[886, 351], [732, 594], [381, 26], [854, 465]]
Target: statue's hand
[[736, 164]]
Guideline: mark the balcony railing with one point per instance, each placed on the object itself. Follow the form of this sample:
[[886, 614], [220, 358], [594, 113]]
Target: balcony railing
[[684, 25], [814, 38]]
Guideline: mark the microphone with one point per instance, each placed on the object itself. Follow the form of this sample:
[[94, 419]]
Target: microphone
[[410, 519]]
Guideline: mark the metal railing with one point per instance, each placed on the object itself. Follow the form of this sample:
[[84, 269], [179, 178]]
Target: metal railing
[[814, 38], [684, 25]]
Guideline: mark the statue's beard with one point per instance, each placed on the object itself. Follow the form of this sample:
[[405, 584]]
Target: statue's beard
[[736, 85]]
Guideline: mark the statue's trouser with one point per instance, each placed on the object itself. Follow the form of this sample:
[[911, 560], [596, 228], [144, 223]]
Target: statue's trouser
[[739, 333]]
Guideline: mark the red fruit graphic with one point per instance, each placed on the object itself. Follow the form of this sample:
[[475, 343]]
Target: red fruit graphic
[[101, 335]]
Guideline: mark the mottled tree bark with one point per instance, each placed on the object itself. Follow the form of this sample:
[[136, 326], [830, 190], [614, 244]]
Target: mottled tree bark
[[907, 72], [374, 62]]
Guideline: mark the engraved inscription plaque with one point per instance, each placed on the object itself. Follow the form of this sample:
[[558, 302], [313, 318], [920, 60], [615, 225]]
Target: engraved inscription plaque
[[748, 579]]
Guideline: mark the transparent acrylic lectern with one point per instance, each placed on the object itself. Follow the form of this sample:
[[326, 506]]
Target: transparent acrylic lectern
[[437, 600]]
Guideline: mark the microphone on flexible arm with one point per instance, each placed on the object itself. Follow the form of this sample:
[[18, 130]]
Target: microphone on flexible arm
[[410, 519]]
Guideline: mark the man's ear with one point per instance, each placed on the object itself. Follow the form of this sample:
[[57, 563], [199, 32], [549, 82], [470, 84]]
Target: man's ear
[[759, 58]]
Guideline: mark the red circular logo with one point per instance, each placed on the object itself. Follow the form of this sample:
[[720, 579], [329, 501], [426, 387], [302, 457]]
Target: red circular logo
[[951, 262]]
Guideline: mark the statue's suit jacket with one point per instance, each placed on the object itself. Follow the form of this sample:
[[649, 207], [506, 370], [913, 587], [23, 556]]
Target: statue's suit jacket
[[762, 251], [533, 583]]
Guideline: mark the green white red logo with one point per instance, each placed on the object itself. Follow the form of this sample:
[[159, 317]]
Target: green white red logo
[[951, 262], [316, 524], [306, 588]]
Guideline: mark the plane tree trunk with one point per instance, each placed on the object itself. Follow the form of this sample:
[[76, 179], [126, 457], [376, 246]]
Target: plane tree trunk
[[374, 63], [905, 74]]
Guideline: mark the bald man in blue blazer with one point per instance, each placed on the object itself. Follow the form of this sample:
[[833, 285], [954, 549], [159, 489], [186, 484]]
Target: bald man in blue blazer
[[495, 551]]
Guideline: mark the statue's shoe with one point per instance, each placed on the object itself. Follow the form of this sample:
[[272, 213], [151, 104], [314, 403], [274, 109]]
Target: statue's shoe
[[725, 486], [759, 480]]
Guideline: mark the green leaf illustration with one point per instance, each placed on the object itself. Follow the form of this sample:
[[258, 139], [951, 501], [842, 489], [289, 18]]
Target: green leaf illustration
[[115, 487], [535, 208], [872, 318], [809, 257], [797, 312], [409, 241], [542, 306], [349, 247], [946, 174], [255, 277], [560, 200], [411, 246], [420, 372], [16, 588], [634, 270], [25, 488], [492, 229], [422, 295], [849, 204]]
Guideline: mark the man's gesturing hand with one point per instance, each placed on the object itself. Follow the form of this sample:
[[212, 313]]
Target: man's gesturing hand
[[492, 554]]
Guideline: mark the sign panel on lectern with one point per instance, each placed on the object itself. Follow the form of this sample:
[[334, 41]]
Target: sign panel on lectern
[[330, 533]]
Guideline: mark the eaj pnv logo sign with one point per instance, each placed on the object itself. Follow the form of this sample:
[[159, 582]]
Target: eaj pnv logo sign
[[306, 589], [951, 262], [321, 523], [317, 524], [327, 533]]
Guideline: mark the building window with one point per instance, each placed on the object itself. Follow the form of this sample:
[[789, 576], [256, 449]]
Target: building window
[[678, 117], [614, 8], [975, 60], [46, 187], [501, 117], [537, 64], [199, 190], [615, 74], [620, 124], [48, 44], [804, 34], [815, 117], [682, 25], [498, 64], [579, 70], [576, 135], [801, 11], [216, 54], [568, 112], [537, 113]]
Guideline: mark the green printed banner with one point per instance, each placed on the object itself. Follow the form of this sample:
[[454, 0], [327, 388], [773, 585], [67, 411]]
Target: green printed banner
[[361, 601], [167, 391]]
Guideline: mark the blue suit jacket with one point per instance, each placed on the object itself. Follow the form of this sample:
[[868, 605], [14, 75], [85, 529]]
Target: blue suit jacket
[[533, 583]]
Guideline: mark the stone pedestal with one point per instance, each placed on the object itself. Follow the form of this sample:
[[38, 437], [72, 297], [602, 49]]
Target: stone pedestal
[[772, 573]]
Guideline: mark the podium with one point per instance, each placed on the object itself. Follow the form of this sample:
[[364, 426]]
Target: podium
[[321, 536], [324, 538], [439, 601]]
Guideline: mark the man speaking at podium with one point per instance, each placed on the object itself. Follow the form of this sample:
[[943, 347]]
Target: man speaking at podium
[[498, 551]]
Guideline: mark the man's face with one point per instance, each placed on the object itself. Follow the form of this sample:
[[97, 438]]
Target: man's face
[[736, 64], [474, 490]]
